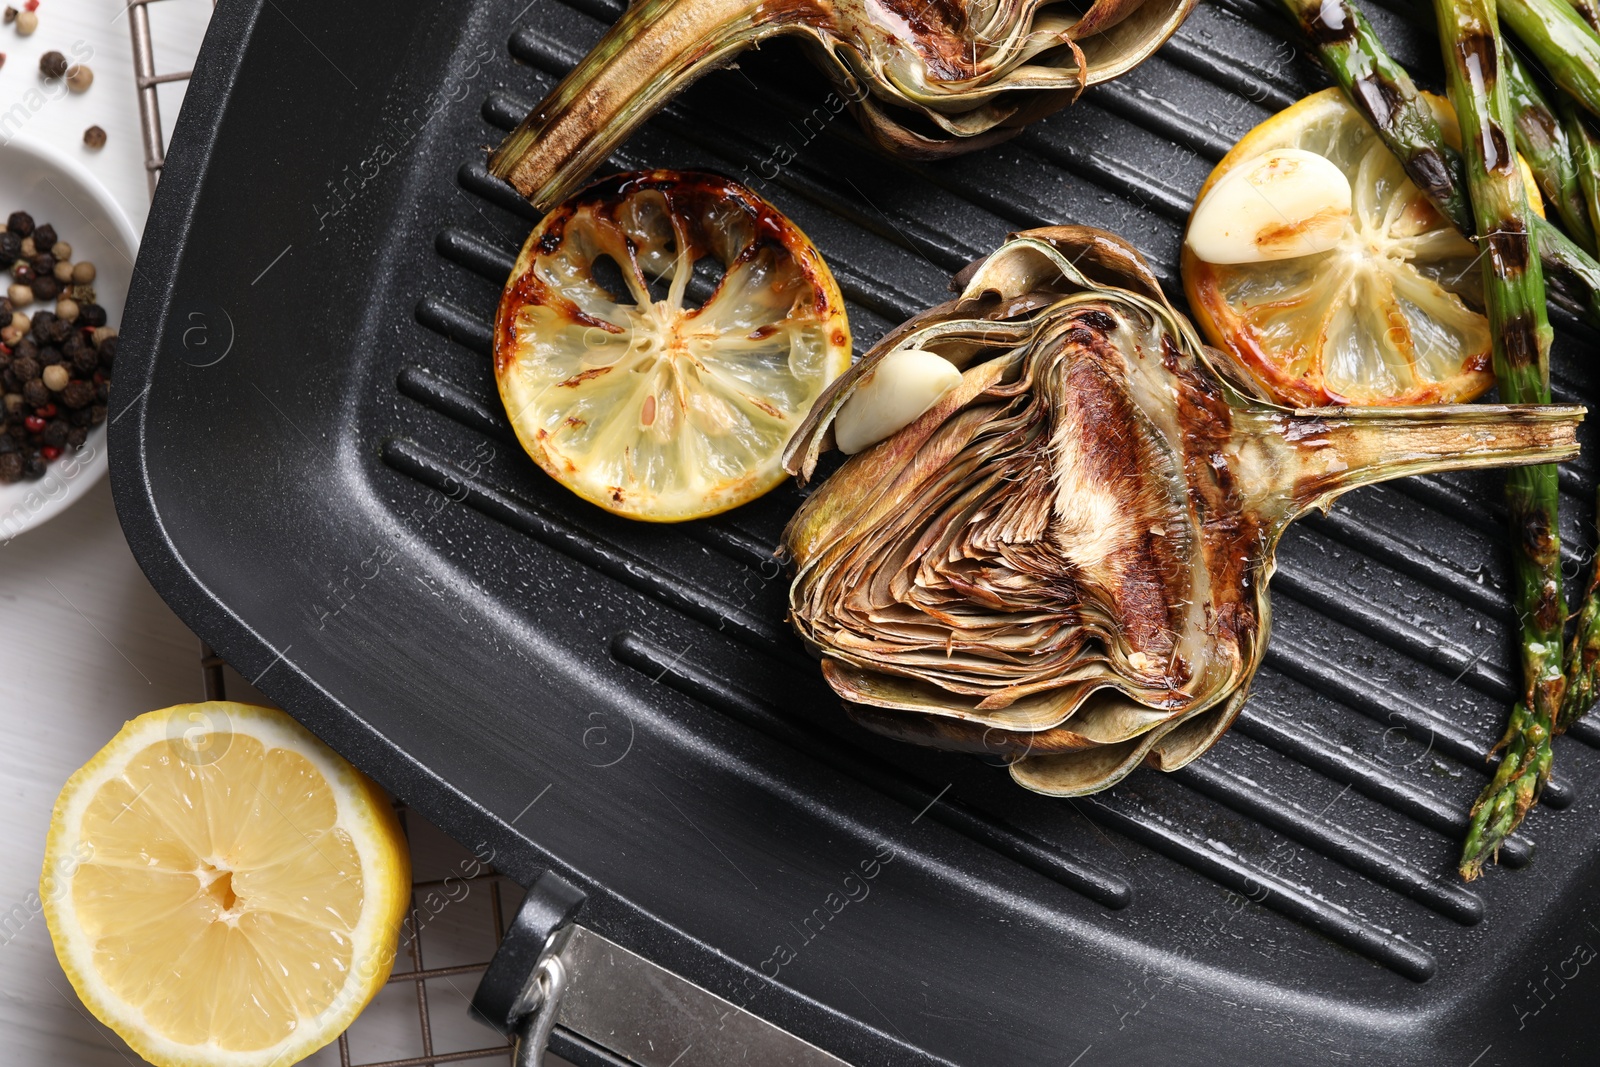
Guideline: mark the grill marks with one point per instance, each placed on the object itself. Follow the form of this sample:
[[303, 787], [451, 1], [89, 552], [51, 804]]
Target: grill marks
[[1331, 23], [1207, 421], [1509, 247], [1428, 170], [1380, 99], [1478, 53], [1111, 507]]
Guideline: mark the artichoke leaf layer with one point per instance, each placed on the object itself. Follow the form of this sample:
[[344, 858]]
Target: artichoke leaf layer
[[1065, 559]]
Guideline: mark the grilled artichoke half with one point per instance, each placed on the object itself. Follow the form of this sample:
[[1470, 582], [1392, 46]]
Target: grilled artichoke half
[[926, 78], [1065, 559]]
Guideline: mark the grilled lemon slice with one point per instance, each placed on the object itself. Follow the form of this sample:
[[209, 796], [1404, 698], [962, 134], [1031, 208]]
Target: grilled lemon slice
[[661, 336], [1385, 310]]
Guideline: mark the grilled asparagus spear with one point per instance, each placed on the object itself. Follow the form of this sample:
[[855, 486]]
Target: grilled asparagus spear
[[1583, 657], [1542, 139], [1515, 302], [1583, 133], [1566, 46]]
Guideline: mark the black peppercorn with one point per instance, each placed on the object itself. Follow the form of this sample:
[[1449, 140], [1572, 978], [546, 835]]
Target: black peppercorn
[[44, 237], [10, 467], [49, 354], [33, 466], [97, 414], [20, 223], [27, 348], [25, 367], [55, 432], [77, 436], [35, 393], [42, 263], [39, 325], [60, 330], [10, 381], [108, 352], [7, 310], [53, 65], [7, 445], [94, 137], [83, 358], [10, 249], [78, 416], [78, 394], [45, 287], [91, 315], [102, 391]]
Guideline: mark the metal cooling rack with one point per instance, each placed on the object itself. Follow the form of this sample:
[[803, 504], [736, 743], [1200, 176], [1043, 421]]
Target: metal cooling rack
[[215, 683], [146, 79]]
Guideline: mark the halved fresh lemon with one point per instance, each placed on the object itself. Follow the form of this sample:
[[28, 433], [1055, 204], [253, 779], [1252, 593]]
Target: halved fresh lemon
[[1386, 310], [222, 889], [662, 335]]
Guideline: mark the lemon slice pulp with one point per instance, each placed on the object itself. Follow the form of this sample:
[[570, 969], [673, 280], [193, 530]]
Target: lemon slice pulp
[[661, 336], [222, 889], [1389, 314]]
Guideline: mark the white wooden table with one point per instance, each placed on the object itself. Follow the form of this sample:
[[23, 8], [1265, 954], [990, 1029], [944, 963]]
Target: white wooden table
[[85, 643]]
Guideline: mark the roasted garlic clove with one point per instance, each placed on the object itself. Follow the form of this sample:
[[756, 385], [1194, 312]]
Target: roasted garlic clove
[[897, 391], [925, 79], [1065, 559], [1282, 204]]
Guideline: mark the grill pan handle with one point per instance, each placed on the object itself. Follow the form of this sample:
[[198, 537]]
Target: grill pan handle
[[614, 1008], [521, 989]]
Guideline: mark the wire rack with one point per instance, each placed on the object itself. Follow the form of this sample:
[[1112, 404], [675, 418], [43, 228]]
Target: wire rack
[[214, 677], [146, 79]]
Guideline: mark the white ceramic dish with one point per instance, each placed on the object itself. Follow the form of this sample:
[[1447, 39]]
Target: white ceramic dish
[[53, 187]]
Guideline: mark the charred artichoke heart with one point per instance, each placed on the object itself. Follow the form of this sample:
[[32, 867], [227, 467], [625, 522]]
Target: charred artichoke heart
[[1065, 559]]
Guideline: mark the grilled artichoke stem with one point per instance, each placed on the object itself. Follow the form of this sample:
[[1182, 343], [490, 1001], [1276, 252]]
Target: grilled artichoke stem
[[656, 49], [1338, 449]]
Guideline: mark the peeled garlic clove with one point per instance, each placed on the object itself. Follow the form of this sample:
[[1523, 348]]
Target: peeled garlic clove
[[1284, 203], [897, 390]]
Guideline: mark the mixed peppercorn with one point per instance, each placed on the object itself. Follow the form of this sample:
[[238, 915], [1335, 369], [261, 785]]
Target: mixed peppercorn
[[55, 366]]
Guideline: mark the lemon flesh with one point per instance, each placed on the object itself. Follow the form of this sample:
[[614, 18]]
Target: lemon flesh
[[644, 388], [1391, 313], [222, 889]]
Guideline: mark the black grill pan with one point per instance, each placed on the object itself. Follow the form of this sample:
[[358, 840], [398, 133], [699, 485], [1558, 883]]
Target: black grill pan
[[311, 465]]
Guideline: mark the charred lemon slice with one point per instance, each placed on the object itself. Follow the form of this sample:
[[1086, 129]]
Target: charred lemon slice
[[1314, 261], [661, 336]]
